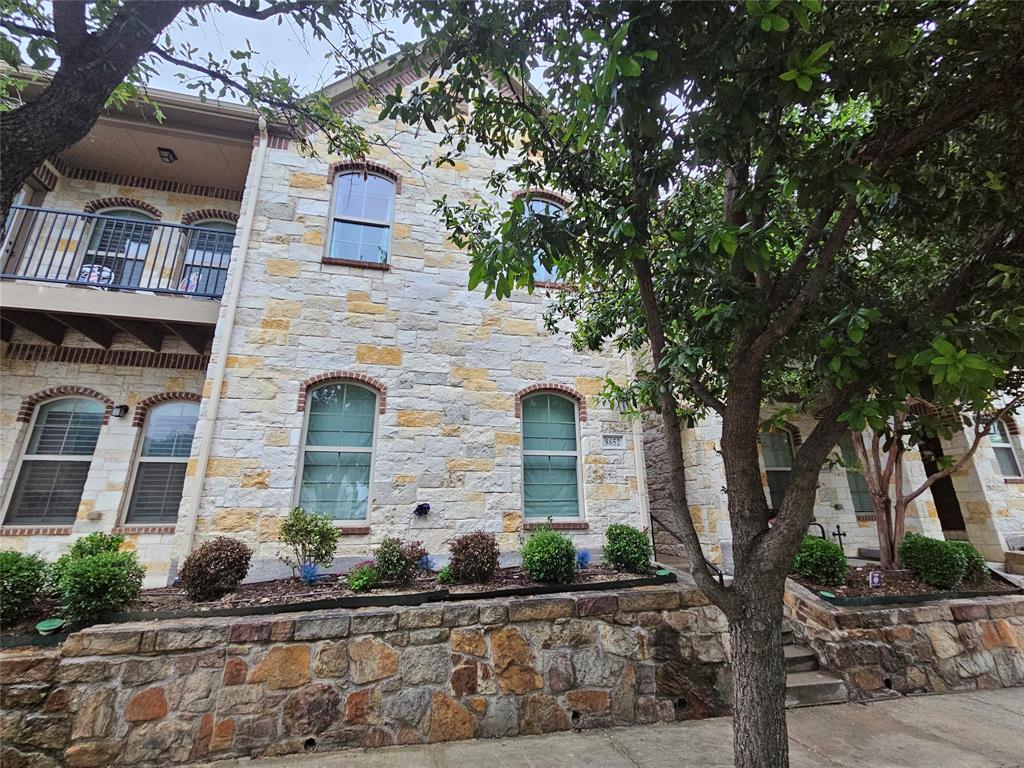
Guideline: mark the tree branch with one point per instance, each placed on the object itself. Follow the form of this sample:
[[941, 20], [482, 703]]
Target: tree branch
[[68, 25]]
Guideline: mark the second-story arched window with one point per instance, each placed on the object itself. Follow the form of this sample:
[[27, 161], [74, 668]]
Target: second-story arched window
[[543, 207], [1002, 446], [116, 254], [361, 217], [207, 255]]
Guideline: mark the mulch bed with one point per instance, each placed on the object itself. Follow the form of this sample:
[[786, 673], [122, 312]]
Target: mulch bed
[[292, 590], [898, 582]]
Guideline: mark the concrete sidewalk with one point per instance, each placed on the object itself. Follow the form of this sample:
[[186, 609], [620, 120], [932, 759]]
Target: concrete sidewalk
[[983, 729]]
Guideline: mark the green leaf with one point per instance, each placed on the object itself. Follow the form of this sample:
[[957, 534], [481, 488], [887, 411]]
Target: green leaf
[[818, 52], [780, 23], [801, 16], [791, 74], [629, 67], [628, 229], [803, 83], [943, 347], [856, 334], [766, 23]]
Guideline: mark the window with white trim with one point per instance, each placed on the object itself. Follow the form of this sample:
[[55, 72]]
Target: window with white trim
[[777, 452], [361, 218], [1002, 446], [336, 457], [161, 464], [207, 255], [543, 207], [55, 462], [117, 249], [859, 492], [550, 457]]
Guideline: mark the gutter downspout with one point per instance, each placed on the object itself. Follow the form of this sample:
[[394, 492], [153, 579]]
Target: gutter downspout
[[185, 532]]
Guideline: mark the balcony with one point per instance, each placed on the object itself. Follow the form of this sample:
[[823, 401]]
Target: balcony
[[100, 275]]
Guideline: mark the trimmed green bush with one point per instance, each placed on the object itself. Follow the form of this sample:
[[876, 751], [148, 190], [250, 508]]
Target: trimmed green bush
[[398, 562], [937, 563], [363, 577], [474, 558], [312, 538], [92, 585], [215, 568], [976, 567], [21, 577], [549, 557], [85, 546], [821, 561], [628, 549], [444, 576]]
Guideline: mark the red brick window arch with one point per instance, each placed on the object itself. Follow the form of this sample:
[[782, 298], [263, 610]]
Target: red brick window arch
[[562, 389], [28, 405], [376, 385], [365, 168], [143, 406], [106, 203], [209, 214]]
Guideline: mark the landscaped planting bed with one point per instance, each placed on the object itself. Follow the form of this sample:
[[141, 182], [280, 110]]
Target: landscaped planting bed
[[901, 586]]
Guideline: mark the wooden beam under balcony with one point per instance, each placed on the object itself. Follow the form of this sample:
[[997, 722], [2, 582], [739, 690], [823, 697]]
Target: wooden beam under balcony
[[149, 333], [196, 337], [6, 329], [95, 329], [38, 323]]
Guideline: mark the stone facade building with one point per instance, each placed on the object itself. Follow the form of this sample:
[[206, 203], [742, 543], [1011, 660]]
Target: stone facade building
[[204, 326]]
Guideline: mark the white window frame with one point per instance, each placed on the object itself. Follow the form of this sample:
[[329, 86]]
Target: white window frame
[[334, 220], [96, 228], [849, 473], [581, 515], [545, 200], [767, 469], [23, 456], [999, 438], [138, 458], [297, 490]]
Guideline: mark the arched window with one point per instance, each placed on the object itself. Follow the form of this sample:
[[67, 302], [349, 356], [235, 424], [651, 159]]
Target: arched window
[[56, 461], [363, 208], [999, 438], [161, 464], [777, 450], [117, 249], [543, 207], [855, 478], [338, 449], [206, 258], [550, 457]]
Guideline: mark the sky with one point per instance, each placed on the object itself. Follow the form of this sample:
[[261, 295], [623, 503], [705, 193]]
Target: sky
[[284, 47]]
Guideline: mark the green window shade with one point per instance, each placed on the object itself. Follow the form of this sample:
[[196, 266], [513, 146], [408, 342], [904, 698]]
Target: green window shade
[[160, 474], [550, 457], [855, 477], [336, 460]]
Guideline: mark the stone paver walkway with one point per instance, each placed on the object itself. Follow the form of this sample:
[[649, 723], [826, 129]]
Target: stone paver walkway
[[983, 729]]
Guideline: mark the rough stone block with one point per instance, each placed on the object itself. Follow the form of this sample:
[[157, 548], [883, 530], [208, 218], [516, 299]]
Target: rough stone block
[[322, 628], [654, 600], [541, 609], [285, 666], [375, 621], [597, 605]]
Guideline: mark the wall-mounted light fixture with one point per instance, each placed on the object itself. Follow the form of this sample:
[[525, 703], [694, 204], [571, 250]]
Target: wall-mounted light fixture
[[166, 154], [421, 510], [120, 411]]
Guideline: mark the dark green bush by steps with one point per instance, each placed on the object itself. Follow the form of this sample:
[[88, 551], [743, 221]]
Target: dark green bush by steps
[[86, 546], [398, 562], [976, 567], [940, 564], [821, 561], [21, 578], [95, 584], [628, 549], [215, 568], [474, 558], [549, 557]]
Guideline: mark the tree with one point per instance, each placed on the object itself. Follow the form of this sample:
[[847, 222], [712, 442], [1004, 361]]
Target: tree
[[106, 51], [768, 199]]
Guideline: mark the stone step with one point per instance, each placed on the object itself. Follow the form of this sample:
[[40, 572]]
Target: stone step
[[804, 689], [800, 658], [787, 635], [869, 553]]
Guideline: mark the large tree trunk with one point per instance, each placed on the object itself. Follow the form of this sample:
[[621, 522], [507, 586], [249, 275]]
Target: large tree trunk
[[760, 738], [91, 68]]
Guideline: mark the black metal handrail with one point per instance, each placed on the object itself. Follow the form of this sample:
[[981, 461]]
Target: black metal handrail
[[115, 252]]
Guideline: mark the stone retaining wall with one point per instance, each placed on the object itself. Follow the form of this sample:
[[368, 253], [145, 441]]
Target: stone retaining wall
[[171, 692], [950, 645]]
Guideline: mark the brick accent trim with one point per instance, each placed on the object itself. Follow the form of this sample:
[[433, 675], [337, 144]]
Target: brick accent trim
[[1011, 425], [100, 203], [582, 525], [135, 358], [143, 406], [333, 262], [36, 530], [145, 182], [792, 430], [562, 389], [209, 213], [365, 167], [544, 194], [46, 176], [131, 530], [375, 384], [353, 530], [28, 405], [273, 141]]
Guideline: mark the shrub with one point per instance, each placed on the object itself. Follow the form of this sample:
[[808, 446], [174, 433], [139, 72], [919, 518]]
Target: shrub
[[549, 557], [309, 573], [85, 546], [938, 563], [363, 577], [399, 562], [92, 585], [582, 559], [444, 576], [21, 577], [976, 567], [821, 561], [474, 557], [215, 569], [311, 537], [628, 549]]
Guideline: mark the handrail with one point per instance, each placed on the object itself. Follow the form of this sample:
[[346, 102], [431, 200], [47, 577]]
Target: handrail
[[114, 252], [716, 570]]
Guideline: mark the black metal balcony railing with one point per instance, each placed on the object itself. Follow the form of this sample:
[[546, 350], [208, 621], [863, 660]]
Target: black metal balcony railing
[[115, 252]]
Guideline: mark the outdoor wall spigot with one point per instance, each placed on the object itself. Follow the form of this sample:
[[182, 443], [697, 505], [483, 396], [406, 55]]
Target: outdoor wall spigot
[[421, 510]]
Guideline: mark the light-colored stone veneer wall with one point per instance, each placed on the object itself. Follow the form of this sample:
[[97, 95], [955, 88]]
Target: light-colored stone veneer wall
[[949, 645], [451, 360], [171, 692]]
